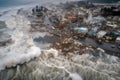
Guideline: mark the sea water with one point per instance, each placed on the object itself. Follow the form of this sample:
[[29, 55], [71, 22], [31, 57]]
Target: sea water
[[9, 3]]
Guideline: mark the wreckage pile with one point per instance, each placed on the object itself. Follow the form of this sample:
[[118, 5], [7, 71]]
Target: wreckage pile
[[59, 22]]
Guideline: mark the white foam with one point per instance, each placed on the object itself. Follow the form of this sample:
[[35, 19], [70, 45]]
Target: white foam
[[75, 76], [50, 52], [23, 48], [12, 59]]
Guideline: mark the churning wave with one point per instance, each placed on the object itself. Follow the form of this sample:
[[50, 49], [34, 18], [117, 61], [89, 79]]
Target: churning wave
[[18, 47], [78, 67]]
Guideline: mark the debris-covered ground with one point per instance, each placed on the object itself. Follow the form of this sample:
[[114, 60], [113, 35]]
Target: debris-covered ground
[[52, 49], [94, 65]]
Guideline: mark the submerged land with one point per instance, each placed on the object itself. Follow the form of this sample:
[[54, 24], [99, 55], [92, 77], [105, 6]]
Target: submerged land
[[76, 40]]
